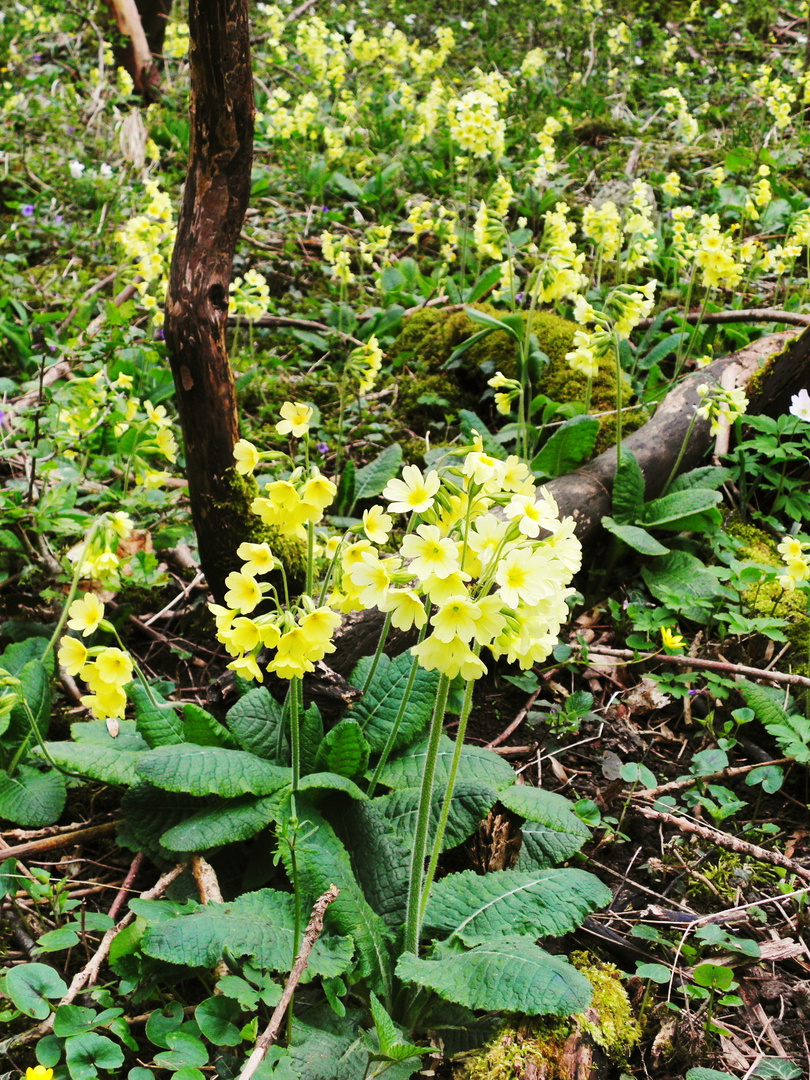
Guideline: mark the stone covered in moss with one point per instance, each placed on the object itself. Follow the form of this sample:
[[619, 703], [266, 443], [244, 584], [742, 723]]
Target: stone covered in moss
[[536, 1046]]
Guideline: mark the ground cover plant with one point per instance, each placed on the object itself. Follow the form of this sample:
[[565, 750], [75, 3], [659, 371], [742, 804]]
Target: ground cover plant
[[349, 763]]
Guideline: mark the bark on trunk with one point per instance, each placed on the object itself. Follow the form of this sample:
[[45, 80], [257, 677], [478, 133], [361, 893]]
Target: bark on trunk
[[771, 370], [214, 203], [135, 53]]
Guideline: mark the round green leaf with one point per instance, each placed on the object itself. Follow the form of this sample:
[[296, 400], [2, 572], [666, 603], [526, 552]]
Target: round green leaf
[[72, 1020], [89, 1052], [30, 985], [217, 1017], [48, 1051]]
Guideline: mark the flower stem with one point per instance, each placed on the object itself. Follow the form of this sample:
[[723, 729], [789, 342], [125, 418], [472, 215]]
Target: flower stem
[[380, 646], [295, 740], [413, 923]]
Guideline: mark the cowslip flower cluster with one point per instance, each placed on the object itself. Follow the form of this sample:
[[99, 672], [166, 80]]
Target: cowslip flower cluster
[[778, 96], [721, 406], [426, 217], [559, 274], [465, 574], [103, 559], [476, 127], [547, 164], [147, 240], [622, 310], [794, 554], [685, 126], [364, 363], [249, 295], [105, 670]]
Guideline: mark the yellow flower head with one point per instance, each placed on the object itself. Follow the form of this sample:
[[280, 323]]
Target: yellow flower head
[[72, 655], [246, 456], [114, 667], [295, 420], [244, 592], [38, 1072], [670, 639], [258, 558], [85, 614], [432, 554], [414, 492], [377, 524]]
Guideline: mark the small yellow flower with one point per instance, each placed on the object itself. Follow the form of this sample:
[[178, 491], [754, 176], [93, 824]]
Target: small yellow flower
[[413, 492], [670, 639], [72, 655], [246, 456], [258, 558], [295, 420], [114, 667], [85, 614], [244, 592], [38, 1072], [377, 524]]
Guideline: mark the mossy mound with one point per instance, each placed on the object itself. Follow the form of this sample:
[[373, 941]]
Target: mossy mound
[[428, 338], [535, 1046]]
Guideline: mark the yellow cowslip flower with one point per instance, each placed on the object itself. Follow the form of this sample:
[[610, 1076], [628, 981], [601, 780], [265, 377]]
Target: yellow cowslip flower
[[407, 610], [432, 554], [72, 655], [246, 456], [377, 524], [242, 636], [121, 523], [523, 577], [456, 618], [317, 628], [791, 548], [257, 559], [244, 592], [483, 469], [371, 578], [114, 667], [318, 491], [672, 185], [85, 614], [247, 667], [291, 660], [295, 420], [670, 639], [167, 444], [451, 658], [414, 492], [109, 701]]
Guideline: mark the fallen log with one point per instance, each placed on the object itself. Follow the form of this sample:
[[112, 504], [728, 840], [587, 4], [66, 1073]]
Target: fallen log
[[770, 370]]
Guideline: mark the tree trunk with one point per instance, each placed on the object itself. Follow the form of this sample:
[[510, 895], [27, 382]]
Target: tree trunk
[[214, 203], [135, 53]]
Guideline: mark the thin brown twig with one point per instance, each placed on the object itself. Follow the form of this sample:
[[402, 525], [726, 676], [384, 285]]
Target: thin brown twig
[[688, 781], [126, 885], [59, 840], [724, 840], [697, 662], [774, 315], [311, 935]]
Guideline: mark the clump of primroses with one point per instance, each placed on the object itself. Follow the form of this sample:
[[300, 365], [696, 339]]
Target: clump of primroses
[[483, 560], [105, 669]]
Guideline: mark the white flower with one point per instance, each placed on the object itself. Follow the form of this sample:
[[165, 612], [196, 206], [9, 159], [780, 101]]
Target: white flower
[[76, 169], [105, 171], [800, 405]]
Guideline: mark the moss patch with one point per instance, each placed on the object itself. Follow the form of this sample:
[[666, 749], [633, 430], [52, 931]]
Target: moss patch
[[534, 1046]]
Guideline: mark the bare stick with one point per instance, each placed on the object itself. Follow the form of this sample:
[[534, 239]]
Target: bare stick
[[311, 935], [59, 840], [774, 315], [126, 884], [690, 781], [696, 662], [724, 840]]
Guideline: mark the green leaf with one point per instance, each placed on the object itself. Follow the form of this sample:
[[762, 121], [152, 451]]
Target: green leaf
[[773, 1068], [372, 478], [513, 975], [662, 350], [344, 497], [483, 318], [489, 278], [322, 860], [344, 750], [677, 505], [95, 732], [57, 941], [30, 985], [255, 721], [73, 1019], [708, 1074], [85, 1054], [476, 908], [225, 823], [325, 1047], [377, 709], [217, 1018], [634, 537], [346, 185], [310, 737], [17, 655], [210, 770], [158, 726], [765, 701], [33, 691], [319, 782], [567, 448], [259, 925], [678, 579], [657, 973], [393, 1046], [406, 770], [628, 489], [185, 1054], [96, 761], [381, 858], [707, 476], [203, 729], [32, 798], [149, 812], [552, 832], [471, 802]]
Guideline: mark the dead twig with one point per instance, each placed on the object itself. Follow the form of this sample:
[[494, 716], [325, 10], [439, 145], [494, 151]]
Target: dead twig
[[59, 840], [126, 885], [695, 661], [774, 315], [311, 935], [689, 781], [725, 840]]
